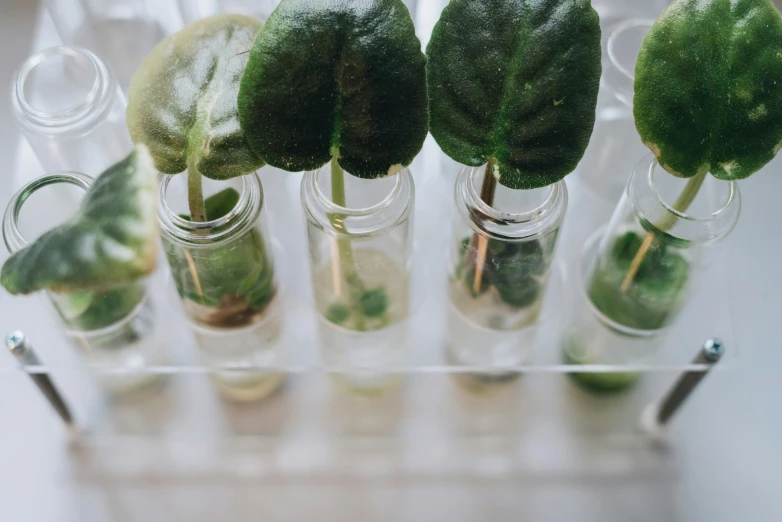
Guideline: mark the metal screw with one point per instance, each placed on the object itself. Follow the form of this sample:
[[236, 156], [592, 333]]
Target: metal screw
[[713, 349], [15, 341]]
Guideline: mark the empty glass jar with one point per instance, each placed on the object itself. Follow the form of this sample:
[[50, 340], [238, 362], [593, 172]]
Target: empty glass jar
[[641, 273], [225, 276], [360, 241], [615, 146], [116, 329], [121, 32], [71, 111], [501, 259]]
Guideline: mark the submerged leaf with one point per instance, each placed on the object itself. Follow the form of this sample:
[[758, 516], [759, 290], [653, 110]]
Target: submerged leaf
[[515, 81], [111, 240], [219, 204], [336, 78], [708, 87], [182, 100]]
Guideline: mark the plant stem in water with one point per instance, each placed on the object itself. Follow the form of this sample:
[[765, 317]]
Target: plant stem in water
[[195, 200], [681, 204], [343, 265], [480, 243], [195, 192]]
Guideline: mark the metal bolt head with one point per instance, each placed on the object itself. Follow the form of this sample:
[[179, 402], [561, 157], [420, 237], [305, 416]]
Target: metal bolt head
[[15, 341], [713, 349]]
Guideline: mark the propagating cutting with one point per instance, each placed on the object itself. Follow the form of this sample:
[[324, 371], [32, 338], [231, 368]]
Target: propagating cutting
[[708, 99], [339, 83], [182, 104], [92, 260], [513, 86]]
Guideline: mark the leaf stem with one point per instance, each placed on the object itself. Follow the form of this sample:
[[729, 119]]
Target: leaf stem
[[344, 271], [479, 243], [681, 204], [195, 192]]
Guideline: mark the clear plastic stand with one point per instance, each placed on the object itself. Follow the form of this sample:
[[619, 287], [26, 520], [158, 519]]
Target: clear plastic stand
[[539, 424]]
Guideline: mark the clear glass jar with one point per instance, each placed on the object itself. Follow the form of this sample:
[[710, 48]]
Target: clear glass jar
[[641, 272], [360, 257], [224, 273], [615, 145], [501, 259], [71, 111], [122, 32], [116, 329]]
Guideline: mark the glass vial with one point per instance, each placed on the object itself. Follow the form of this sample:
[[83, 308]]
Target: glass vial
[[224, 273], [501, 258], [360, 241], [615, 146], [71, 111], [641, 272], [116, 329], [121, 32]]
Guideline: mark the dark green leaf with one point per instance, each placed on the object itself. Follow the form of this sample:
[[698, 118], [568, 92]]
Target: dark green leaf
[[182, 100], [337, 313], [111, 240], [92, 310], [374, 302], [244, 271], [336, 78], [656, 294], [708, 87], [515, 81], [219, 204]]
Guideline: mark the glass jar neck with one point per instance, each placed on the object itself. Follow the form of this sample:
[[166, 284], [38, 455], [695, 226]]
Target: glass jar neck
[[63, 89], [352, 206], [660, 201], [12, 235], [244, 214], [620, 54], [514, 214]]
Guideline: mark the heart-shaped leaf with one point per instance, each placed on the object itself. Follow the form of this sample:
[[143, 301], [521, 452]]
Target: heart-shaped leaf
[[515, 82], [111, 240], [336, 78], [708, 87], [182, 100]]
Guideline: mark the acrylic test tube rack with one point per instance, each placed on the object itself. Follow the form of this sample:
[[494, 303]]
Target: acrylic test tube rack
[[540, 424]]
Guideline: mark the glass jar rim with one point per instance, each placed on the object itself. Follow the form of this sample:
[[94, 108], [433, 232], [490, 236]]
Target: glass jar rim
[[334, 208], [209, 231], [12, 236], [485, 219], [611, 44], [512, 217], [70, 116], [733, 195]]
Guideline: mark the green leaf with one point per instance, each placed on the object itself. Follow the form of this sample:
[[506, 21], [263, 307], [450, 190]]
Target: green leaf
[[182, 100], [515, 81], [111, 240], [336, 78], [103, 308], [708, 87], [337, 313], [657, 292], [219, 204], [374, 302]]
